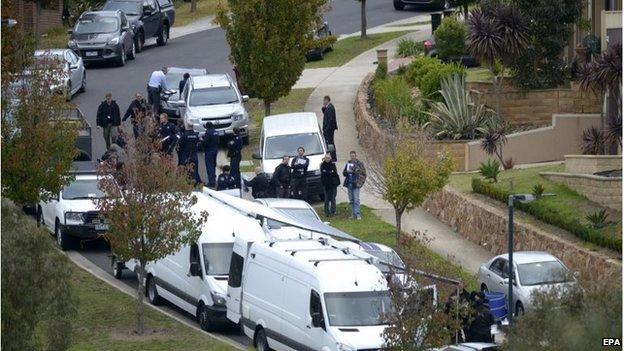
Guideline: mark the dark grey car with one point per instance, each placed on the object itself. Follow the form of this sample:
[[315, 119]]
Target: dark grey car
[[103, 36], [438, 4]]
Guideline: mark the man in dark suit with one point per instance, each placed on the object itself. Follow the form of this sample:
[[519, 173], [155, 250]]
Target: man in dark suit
[[108, 117], [329, 124]]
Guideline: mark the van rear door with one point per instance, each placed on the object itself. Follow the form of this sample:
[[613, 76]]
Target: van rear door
[[235, 279]]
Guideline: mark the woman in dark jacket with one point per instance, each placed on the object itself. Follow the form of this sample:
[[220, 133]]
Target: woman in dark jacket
[[330, 181]]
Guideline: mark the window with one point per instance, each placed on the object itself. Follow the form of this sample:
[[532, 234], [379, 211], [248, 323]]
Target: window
[[497, 266], [236, 270], [316, 307], [213, 96], [194, 256], [217, 257], [164, 3], [278, 146], [356, 309], [73, 58]]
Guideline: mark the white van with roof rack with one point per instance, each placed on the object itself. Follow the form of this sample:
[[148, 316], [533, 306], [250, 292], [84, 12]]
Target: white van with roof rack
[[307, 295]]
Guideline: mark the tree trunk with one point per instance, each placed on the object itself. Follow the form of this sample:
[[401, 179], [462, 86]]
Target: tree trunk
[[193, 6], [37, 24], [363, 15], [140, 295], [497, 91], [267, 108], [398, 214]]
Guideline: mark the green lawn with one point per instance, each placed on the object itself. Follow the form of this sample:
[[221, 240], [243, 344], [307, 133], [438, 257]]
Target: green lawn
[[106, 321], [566, 202], [55, 38], [347, 49], [373, 229], [204, 8], [481, 75]]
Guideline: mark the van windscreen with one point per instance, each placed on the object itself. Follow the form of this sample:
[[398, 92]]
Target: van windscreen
[[278, 146], [217, 258], [358, 309]]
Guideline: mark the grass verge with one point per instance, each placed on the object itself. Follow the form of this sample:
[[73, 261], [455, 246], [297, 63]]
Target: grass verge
[[373, 229], [184, 15], [106, 321], [346, 49], [410, 24], [55, 38]]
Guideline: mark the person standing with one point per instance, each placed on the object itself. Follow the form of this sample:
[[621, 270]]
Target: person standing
[[182, 83], [355, 176], [187, 152], [281, 178], [260, 184], [167, 134], [235, 146], [330, 181], [138, 107], [108, 117], [210, 142], [156, 84], [225, 180], [299, 165], [329, 124]]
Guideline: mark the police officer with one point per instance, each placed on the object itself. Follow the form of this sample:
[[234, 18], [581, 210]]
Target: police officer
[[260, 184], [226, 181], [210, 143], [299, 165], [187, 151], [234, 153], [281, 178], [167, 134]]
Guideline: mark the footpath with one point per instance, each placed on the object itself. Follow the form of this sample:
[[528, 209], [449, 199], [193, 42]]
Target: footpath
[[341, 84]]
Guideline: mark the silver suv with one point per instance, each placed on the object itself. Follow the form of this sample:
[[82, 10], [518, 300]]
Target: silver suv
[[214, 98]]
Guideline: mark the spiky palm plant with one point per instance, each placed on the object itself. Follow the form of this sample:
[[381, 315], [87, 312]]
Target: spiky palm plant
[[458, 117]]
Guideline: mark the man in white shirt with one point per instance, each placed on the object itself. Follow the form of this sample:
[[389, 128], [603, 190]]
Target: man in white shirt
[[156, 84]]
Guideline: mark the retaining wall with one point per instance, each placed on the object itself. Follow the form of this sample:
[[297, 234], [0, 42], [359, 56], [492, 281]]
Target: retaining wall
[[606, 191], [590, 164]]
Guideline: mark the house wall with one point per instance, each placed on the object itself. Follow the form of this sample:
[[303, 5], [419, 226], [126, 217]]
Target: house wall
[[26, 15]]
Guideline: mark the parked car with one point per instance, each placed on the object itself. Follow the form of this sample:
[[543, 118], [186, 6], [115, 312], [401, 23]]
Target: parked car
[[72, 215], [214, 98], [306, 295], [533, 271], [466, 59], [438, 4], [174, 75], [101, 36], [283, 134], [321, 33], [147, 18], [73, 74]]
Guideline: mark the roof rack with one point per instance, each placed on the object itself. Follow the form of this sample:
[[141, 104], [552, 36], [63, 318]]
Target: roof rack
[[367, 260], [320, 240], [344, 251]]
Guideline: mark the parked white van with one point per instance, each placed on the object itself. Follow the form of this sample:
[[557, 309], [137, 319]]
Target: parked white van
[[283, 134], [307, 295]]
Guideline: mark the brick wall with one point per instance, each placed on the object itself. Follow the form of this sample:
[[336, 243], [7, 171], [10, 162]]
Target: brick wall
[[602, 190], [538, 106], [26, 15], [486, 226]]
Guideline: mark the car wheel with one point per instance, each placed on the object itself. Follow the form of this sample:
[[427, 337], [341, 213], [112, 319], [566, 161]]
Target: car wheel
[[40, 222], [203, 318], [132, 54], [519, 309], [484, 288], [64, 241], [117, 270], [163, 36], [321, 54], [152, 292], [398, 5], [83, 84], [260, 341], [122, 57], [139, 42], [68, 91]]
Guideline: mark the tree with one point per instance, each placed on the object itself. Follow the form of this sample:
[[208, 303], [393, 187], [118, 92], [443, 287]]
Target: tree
[[406, 176], [38, 304], [496, 34], [38, 146], [151, 211], [193, 6], [268, 40], [540, 64], [363, 19]]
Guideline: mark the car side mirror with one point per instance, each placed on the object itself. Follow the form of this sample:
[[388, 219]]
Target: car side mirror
[[178, 103], [72, 67], [195, 269], [327, 222], [70, 31], [317, 320], [256, 156], [245, 98]]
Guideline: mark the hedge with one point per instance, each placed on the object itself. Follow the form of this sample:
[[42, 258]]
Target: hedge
[[545, 214]]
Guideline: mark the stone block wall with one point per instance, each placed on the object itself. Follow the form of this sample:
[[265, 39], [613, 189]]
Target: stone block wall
[[486, 226], [25, 13], [590, 164], [602, 190]]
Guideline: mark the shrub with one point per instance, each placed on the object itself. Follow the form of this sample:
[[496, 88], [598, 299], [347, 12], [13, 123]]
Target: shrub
[[508, 163], [430, 83], [419, 67], [539, 210], [490, 170], [382, 71], [450, 38], [409, 48], [538, 190], [393, 99], [592, 142], [598, 219]]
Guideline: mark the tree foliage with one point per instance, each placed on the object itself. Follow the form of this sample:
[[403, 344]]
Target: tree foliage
[[38, 147], [405, 176], [540, 65], [149, 205], [37, 301], [268, 41]]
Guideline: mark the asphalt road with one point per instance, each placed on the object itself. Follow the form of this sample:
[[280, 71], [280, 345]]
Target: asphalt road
[[206, 49]]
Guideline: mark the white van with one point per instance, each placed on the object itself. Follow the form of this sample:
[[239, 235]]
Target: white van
[[283, 134], [195, 277], [307, 295]]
